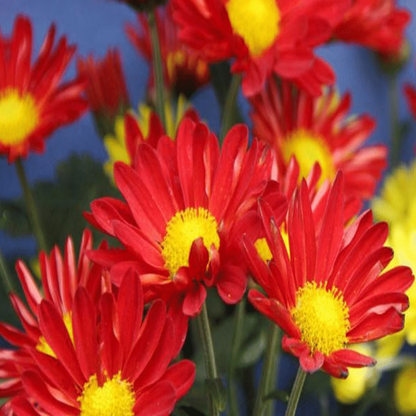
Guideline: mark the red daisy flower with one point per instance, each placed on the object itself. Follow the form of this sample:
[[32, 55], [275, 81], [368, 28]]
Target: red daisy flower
[[317, 130], [106, 88], [376, 24], [184, 69], [264, 36], [114, 362], [327, 290], [183, 200], [60, 278], [33, 103]]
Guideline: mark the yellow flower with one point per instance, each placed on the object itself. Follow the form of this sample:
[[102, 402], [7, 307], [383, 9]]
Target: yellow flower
[[405, 390]]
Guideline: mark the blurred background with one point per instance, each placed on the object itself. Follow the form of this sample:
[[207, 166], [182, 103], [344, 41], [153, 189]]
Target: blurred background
[[96, 25]]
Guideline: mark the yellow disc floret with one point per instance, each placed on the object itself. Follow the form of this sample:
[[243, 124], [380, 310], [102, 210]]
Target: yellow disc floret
[[256, 21], [44, 347], [182, 230], [18, 117], [308, 149], [114, 398], [322, 317]]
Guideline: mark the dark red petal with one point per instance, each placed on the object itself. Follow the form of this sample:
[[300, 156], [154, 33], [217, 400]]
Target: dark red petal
[[158, 400], [181, 375], [194, 299], [351, 358]]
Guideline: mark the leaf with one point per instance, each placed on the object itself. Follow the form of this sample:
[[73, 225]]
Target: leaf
[[280, 395], [217, 390]]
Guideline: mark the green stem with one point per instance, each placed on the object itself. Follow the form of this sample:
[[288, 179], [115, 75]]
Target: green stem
[[295, 394], [31, 207], [228, 117], [6, 277], [235, 349], [268, 371], [157, 67], [394, 120], [209, 355]]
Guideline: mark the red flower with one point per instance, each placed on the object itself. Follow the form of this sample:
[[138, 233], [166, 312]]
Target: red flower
[[327, 289], [410, 94], [376, 24], [106, 88], [115, 362], [264, 36], [184, 69], [183, 200], [60, 279], [317, 130], [32, 102]]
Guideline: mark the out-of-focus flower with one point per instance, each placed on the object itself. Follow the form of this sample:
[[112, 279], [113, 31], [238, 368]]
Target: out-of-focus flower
[[106, 88], [132, 130], [33, 102], [265, 37], [183, 200], [397, 206], [405, 390], [328, 290], [376, 24], [60, 278], [112, 362], [184, 69], [318, 130], [410, 94]]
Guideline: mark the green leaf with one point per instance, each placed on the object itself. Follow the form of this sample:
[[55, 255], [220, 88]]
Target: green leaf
[[217, 390]]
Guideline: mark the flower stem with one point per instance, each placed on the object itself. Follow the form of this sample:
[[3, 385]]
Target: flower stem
[[230, 106], [31, 207], [157, 67], [209, 356], [4, 272], [235, 349], [295, 394], [268, 371], [394, 122]]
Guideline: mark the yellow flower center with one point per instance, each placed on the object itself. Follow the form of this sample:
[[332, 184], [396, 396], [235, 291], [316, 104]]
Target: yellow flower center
[[309, 149], [182, 230], [114, 398], [44, 347], [322, 318], [18, 117], [256, 21]]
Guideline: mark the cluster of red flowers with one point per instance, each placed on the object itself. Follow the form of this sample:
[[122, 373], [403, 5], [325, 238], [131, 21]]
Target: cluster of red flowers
[[99, 337]]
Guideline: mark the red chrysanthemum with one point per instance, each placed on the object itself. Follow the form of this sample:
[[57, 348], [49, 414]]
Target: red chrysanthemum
[[327, 289], [183, 200], [264, 36], [106, 89], [317, 130], [60, 278], [112, 362], [33, 103], [184, 69], [376, 24]]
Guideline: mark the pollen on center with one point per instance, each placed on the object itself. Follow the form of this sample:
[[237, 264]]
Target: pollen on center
[[114, 398], [182, 230], [256, 21], [322, 317], [309, 148], [18, 117]]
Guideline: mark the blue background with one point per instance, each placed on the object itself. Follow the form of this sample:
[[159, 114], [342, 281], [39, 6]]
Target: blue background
[[95, 25]]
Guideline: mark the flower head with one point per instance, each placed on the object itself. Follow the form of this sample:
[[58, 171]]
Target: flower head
[[317, 130], [113, 362], [265, 37], [185, 70], [106, 89], [182, 202], [327, 289], [61, 276], [33, 103], [376, 24]]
